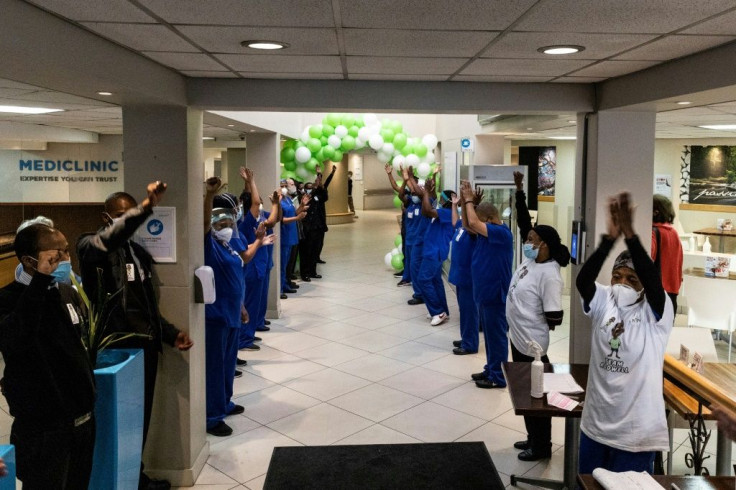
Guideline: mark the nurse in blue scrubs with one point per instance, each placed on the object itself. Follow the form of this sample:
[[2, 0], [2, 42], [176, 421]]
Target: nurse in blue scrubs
[[223, 317], [289, 232], [416, 227], [491, 265]]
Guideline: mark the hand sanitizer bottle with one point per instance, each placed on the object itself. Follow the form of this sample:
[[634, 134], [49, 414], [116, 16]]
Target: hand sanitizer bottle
[[706, 245], [537, 375]]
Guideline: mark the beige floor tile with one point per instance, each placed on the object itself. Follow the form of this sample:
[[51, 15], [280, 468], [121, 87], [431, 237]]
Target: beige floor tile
[[371, 321], [378, 434], [430, 422], [333, 330], [293, 342], [320, 425], [283, 368], [373, 341], [332, 353], [248, 383], [468, 398], [239, 423], [327, 384], [256, 483], [499, 441], [374, 367], [212, 476], [275, 402], [458, 366], [415, 353], [422, 382], [376, 402]]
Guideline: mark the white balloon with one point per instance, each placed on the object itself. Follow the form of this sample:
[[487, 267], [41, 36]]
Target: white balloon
[[303, 154], [423, 169], [376, 141], [429, 157], [388, 148], [412, 161], [341, 131], [387, 259], [364, 133], [383, 158], [430, 141], [359, 142], [370, 119], [395, 251], [420, 182], [399, 161], [302, 172], [334, 141], [305, 136], [374, 129]]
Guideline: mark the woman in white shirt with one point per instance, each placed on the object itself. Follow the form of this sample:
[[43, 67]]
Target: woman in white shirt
[[623, 423]]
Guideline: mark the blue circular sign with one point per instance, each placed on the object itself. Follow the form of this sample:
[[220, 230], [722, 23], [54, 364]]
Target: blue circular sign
[[155, 227], [465, 143]]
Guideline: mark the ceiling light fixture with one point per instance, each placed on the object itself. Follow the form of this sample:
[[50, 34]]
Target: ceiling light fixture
[[230, 125], [720, 127], [208, 138], [684, 102], [106, 94], [27, 110], [562, 138], [572, 121], [269, 45], [561, 49]]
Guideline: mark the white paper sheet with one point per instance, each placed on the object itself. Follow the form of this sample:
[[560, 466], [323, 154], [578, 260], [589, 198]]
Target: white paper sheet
[[561, 383], [627, 480]]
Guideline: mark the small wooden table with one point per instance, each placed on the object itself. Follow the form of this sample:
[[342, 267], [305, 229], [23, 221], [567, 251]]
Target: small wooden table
[[587, 482], [721, 234], [518, 380]]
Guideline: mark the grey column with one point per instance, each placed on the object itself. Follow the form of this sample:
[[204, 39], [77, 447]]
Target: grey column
[[165, 143], [620, 156]]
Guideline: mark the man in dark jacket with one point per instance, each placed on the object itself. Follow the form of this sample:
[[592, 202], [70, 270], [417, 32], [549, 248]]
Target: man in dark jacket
[[127, 266], [48, 380]]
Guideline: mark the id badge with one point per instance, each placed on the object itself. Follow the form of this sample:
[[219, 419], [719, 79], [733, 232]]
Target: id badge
[[416, 212], [72, 313], [130, 271]]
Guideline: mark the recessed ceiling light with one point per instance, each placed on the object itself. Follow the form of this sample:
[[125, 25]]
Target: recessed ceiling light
[[252, 130], [720, 127], [562, 137], [572, 121], [264, 44], [561, 49], [27, 110], [529, 129], [207, 138], [106, 94], [230, 125], [684, 102]]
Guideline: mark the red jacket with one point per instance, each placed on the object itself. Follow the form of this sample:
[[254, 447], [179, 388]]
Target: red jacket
[[671, 259]]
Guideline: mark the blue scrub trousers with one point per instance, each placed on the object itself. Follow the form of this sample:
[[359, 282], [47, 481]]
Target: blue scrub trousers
[[596, 455], [416, 264], [432, 287], [468, 318], [285, 256], [495, 332], [407, 263], [252, 303], [221, 352], [261, 320]]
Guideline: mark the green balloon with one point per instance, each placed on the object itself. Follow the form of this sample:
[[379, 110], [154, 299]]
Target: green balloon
[[399, 140], [353, 131], [407, 149], [323, 140], [320, 155], [328, 130], [315, 131], [290, 144], [397, 262], [397, 240], [396, 127], [348, 120], [348, 143], [333, 119], [311, 165], [359, 121], [420, 150], [314, 145], [328, 152], [290, 165], [298, 144], [387, 135], [397, 201], [337, 157], [288, 174], [287, 155], [399, 183]]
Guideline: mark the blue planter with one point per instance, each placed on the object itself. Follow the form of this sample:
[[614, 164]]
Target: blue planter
[[119, 417], [8, 455]]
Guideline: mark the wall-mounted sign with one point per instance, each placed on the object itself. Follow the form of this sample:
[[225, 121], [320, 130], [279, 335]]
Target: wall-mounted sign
[[466, 144], [158, 234], [663, 185], [711, 175]]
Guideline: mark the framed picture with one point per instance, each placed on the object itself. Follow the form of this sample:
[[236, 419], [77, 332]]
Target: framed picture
[[710, 173], [542, 164]]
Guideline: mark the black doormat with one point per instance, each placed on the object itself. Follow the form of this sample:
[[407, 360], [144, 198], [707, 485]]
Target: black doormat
[[464, 465]]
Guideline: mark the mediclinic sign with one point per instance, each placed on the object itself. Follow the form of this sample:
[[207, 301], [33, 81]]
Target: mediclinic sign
[[158, 234], [466, 145]]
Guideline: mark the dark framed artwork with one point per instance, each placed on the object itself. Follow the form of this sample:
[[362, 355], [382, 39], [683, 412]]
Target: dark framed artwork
[[708, 175], [542, 170]]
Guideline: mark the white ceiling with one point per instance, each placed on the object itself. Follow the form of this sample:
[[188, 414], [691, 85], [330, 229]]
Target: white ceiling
[[429, 40]]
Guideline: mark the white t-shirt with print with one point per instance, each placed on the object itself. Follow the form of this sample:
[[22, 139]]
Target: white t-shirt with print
[[535, 288], [624, 408]]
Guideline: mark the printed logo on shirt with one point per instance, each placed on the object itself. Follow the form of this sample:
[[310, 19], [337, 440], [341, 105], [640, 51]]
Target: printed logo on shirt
[[609, 363], [522, 273], [130, 271]]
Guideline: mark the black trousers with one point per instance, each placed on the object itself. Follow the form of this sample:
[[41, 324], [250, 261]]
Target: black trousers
[[673, 297], [56, 458], [291, 266], [308, 250], [320, 244], [538, 429]]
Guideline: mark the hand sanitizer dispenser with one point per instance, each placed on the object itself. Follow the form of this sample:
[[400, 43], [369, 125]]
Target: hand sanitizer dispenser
[[537, 374], [204, 285]]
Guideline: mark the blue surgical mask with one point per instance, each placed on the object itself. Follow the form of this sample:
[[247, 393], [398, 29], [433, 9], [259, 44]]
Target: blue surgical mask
[[240, 213], [415, 199], [308, 191], [530, 252], [63, 272]]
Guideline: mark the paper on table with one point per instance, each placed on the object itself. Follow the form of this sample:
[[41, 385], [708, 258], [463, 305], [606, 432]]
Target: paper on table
[[627, 480], [561, 383], [561, 401]]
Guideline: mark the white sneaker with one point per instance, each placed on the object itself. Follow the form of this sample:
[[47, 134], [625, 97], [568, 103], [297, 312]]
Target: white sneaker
[[429, 317], [439, 319]]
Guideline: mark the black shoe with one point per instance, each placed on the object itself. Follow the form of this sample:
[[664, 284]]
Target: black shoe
[[238, 374], [290, 291], [398, 274], [532, 455], [293, 277], [251, 347], [241, 362], [257, 339], [522, 445], [220, 430], [316, 276], [237, 410], [283, 296], [459, 351], [320, 261], [293, 285], [415, 301], [478, 376], [488, 384], [146, 483], [266, 322], [263, 328], [457, 343], [403, 283], [306, 279]]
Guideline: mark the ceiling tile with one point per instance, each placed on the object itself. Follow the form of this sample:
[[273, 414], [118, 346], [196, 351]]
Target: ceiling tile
[[5, 83], [399, 77], [61, 98], [293, 76], [432, 14], [527, 67], [619, 16], [610, 69], [14, 92], [500, 78], [282, 63], [383, 42], [403, 66], [671, 47], [597, 46], [185, 61], [107, 11], [723, 24], [578, 79], [227, 39], [208, 74], [283, 13], [142, 37]]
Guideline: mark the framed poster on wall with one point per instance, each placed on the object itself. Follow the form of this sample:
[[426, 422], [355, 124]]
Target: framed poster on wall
[[708, 175], [542, 164]]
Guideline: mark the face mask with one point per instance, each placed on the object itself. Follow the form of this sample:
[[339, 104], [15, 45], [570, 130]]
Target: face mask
[[625, 295], [114, 220], [240, 213], [530, 252], [291, 189], [223, 235], [415, 199], [308, 191], [62, 272], [260, 207], [284, 191]]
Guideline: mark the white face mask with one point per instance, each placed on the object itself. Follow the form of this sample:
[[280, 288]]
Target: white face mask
[[223, 235], [291, 189], [284, 191], [625, 295]]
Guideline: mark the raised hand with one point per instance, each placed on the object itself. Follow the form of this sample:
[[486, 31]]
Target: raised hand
[[455, 199], [269, 239], [155, 192], [404, 173], [275, 197], [612, 224], [48, 261], [478, 196], [625, 214], [243, 174], [305, 199], [261, 231], [213, 185], [519, 181], [466, 191]]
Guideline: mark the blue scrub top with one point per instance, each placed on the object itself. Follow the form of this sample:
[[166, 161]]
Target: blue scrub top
[[256, 268], [438, 235], [413, 216], [289, 235], [229, 284], [421, 227], [491, 264], [461, 256]]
